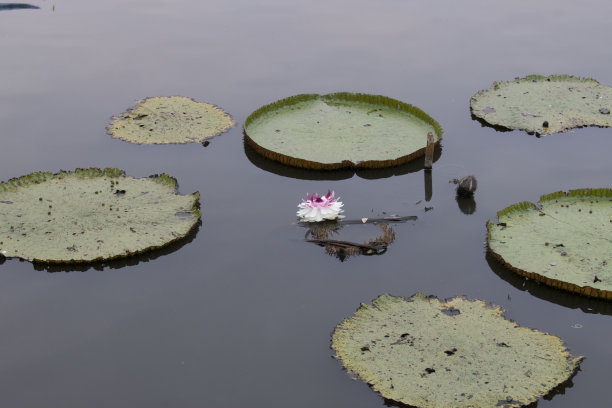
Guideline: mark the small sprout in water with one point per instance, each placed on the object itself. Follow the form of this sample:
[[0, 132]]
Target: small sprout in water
[[316, 208], [466, 186]]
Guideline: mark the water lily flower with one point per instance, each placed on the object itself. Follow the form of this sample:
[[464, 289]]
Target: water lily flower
[[316, 208]]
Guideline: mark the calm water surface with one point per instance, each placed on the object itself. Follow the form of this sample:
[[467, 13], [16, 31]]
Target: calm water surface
[[241, 315]]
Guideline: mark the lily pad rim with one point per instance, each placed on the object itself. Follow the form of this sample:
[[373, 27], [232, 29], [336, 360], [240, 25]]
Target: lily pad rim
[[138, 102], [163, 178], [344, 96], [555, 283]]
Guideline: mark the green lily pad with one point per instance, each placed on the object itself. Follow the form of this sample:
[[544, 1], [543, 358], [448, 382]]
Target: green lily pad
[[91, 215], [564, 243], [174, 119], [340, 130], [424, 352], [544, 105]]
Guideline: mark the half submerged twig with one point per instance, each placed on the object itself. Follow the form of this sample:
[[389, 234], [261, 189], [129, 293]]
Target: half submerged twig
[[387, 219], [429, 151], [370, 249]]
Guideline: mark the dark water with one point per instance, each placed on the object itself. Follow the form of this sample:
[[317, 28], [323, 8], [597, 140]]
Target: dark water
[[241, 315]]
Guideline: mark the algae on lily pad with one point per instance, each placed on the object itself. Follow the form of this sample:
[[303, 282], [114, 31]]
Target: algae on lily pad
[[544, 105], [564, 242], [174, 119], [328, 132], [428, 353], [91, 215]]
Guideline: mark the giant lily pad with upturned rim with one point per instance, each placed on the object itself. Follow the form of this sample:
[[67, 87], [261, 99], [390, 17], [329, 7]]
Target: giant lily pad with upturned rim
[[457, 353], [565, 241], [91, 215], [340, 130], [544, 105], [170, 119]]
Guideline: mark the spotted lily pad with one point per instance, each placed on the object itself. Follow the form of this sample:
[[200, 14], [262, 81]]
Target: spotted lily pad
[[544, 105], [424, 352], [174, 119], [565, 242], [340, 130], [91, 215]]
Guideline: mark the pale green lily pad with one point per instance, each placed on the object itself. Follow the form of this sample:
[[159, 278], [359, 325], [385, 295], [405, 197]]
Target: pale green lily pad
[[174, 119], [458, 353], [91, 215], [544, 105], [340, 130], [566, 242]]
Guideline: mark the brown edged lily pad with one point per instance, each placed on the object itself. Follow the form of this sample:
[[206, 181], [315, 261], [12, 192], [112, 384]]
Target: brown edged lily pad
[[340, 130], [563, 242]]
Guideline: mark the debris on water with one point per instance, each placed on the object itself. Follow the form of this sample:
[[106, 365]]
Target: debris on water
[[604, 111]]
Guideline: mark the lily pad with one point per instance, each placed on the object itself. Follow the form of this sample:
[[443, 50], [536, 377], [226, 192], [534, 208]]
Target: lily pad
[[565, 242], [424, 352], [340, 130], [174, 119], [544, 105], [91, 215]]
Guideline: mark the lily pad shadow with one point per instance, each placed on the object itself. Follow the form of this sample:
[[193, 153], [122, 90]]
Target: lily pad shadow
[[17, 6], [280, 169], [549, 294]]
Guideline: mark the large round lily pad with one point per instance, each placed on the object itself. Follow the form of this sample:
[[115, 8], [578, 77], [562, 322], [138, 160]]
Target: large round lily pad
[[544, 105], [340, 130], [566, 242], [174, 119], [91, 215], [424, 352]]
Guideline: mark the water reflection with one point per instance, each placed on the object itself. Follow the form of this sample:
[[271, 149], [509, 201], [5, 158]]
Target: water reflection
[[16, 6], [321, 234], [559, 297], [306, 174], [467, 205], [428, 184], [122, 262]]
